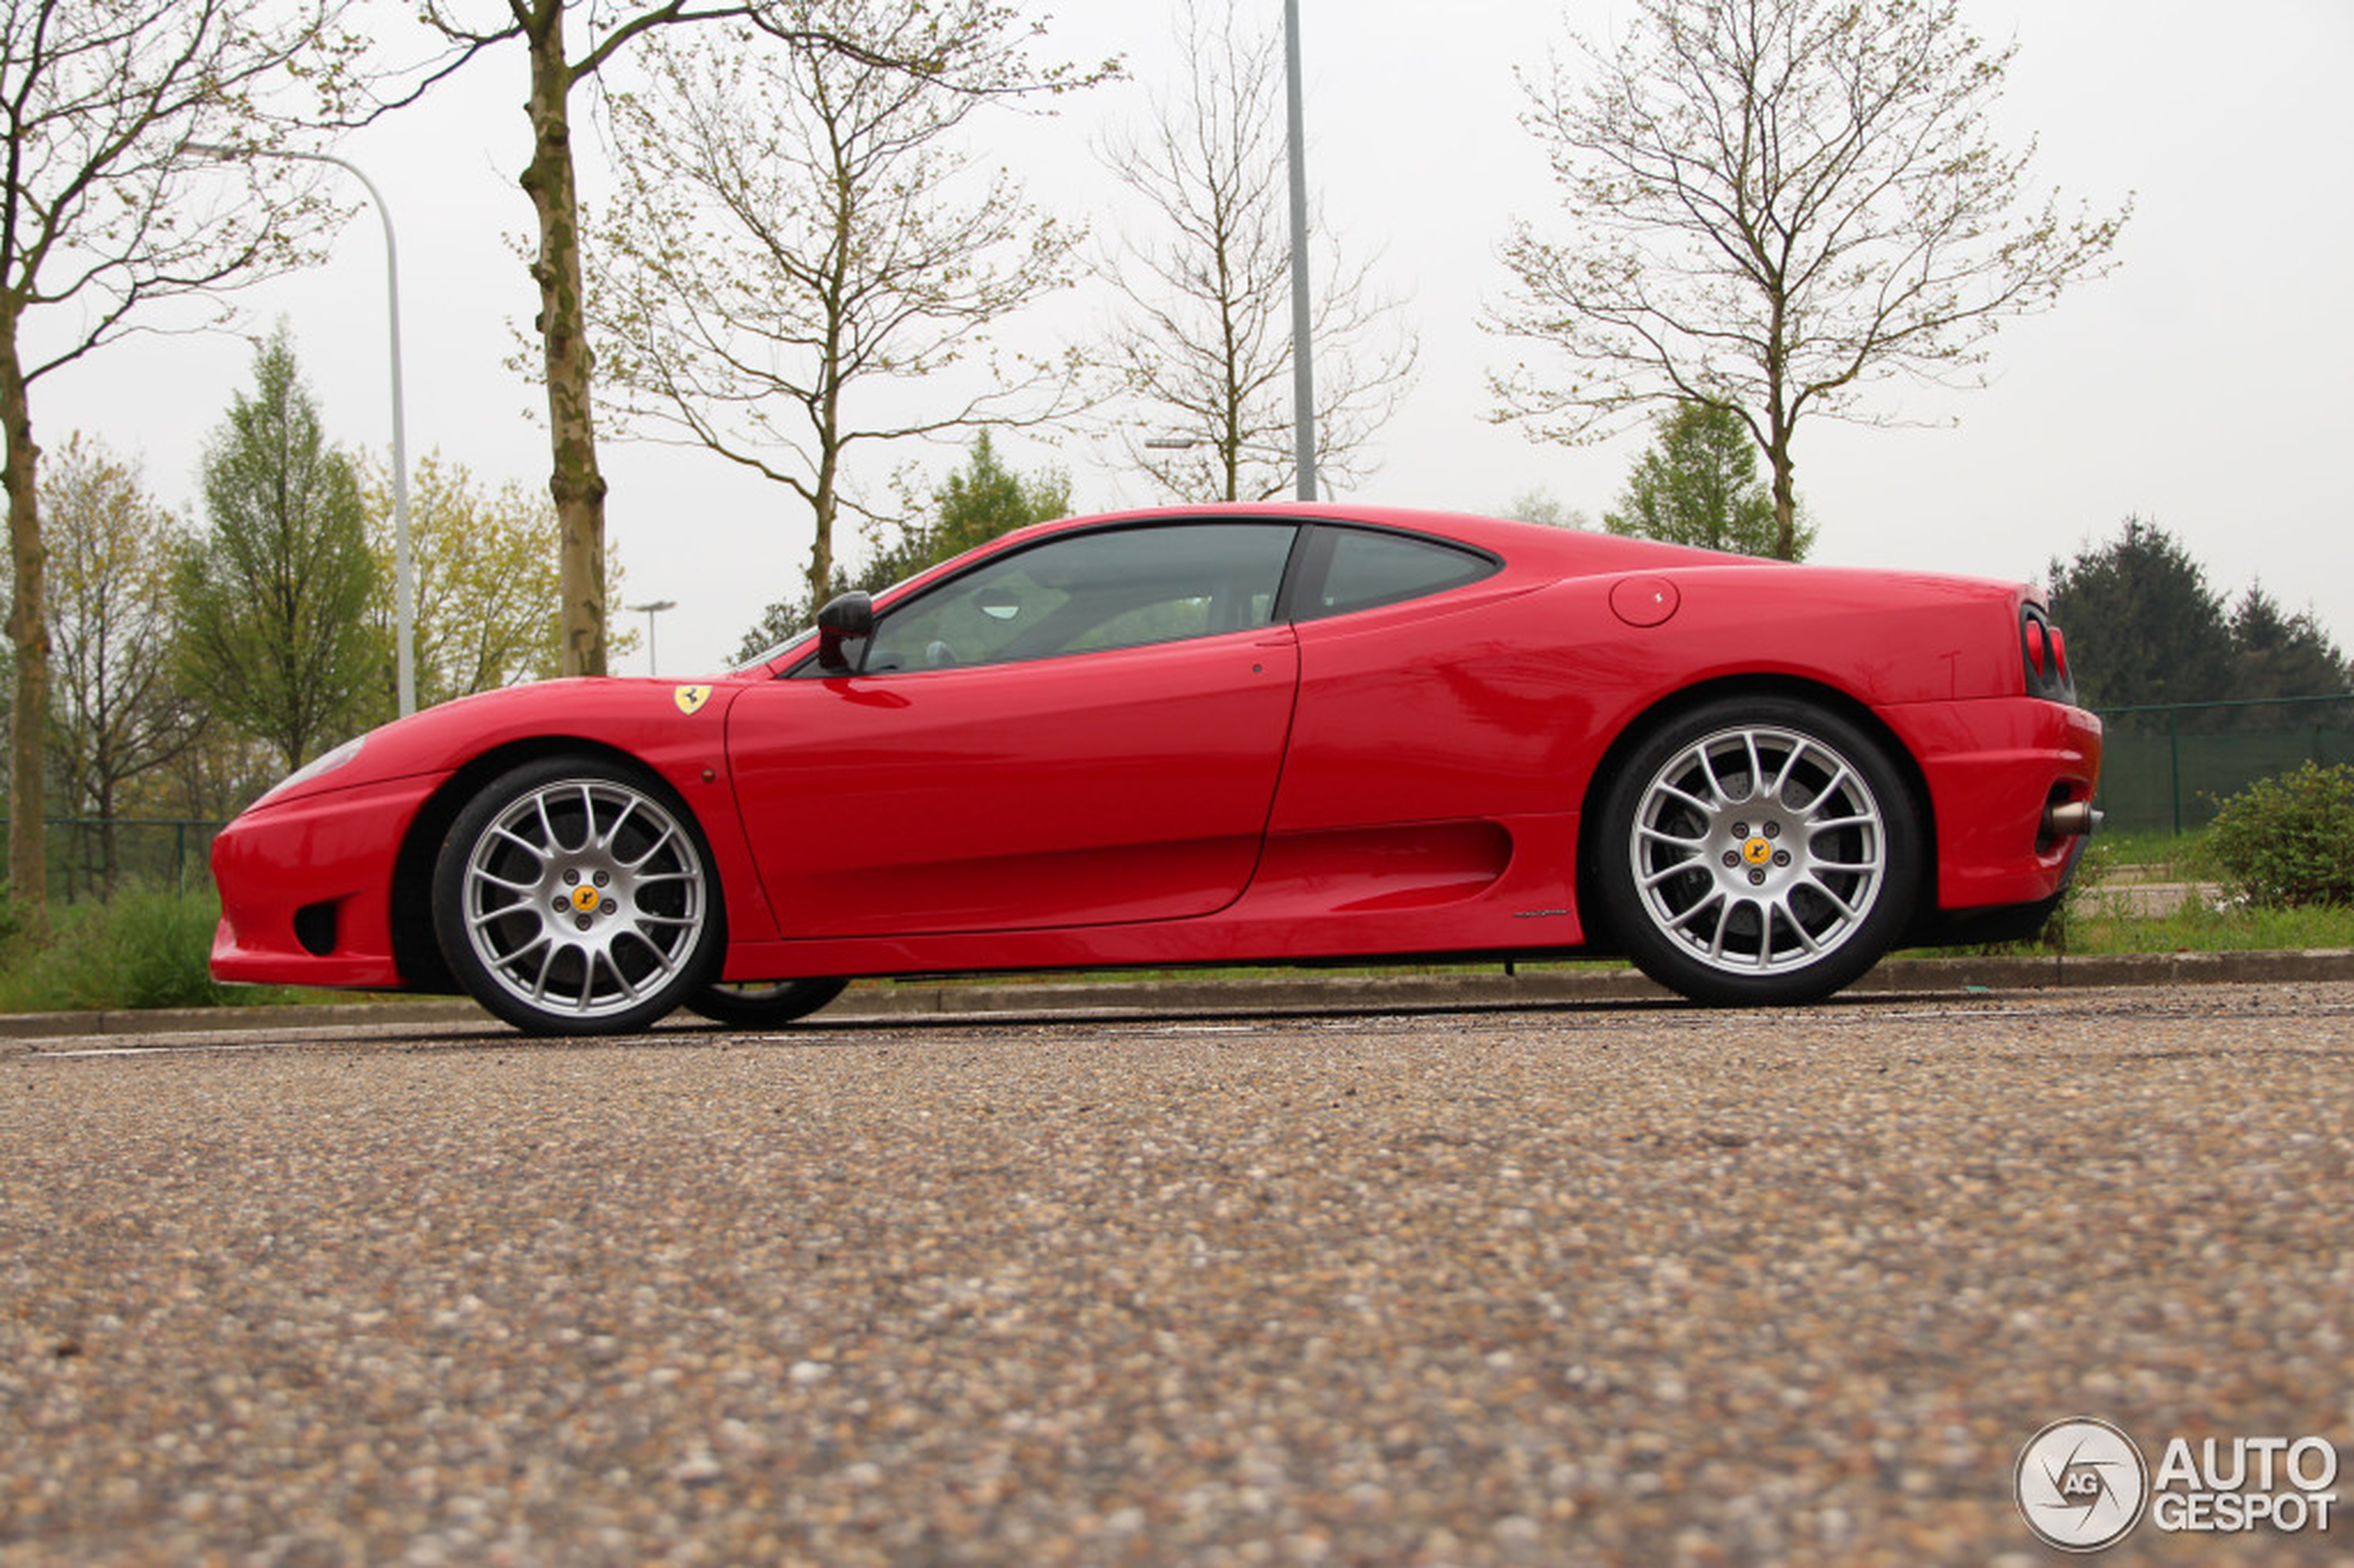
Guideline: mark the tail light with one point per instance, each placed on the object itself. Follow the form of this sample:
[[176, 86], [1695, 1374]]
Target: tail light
[[2045, 656]]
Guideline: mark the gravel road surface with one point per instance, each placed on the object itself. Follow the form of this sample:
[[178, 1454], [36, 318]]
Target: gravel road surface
[[1620, 1283]]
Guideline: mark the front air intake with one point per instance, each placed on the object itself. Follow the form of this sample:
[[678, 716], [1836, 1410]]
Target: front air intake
[[314, 927]]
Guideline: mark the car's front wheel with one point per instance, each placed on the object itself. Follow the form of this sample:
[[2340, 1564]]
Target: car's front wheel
[[764, 1005], [574, 896], [1758, 851]]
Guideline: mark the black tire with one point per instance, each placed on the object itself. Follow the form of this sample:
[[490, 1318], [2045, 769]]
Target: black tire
[[573, 895], [764, 1006], [1757, 850]]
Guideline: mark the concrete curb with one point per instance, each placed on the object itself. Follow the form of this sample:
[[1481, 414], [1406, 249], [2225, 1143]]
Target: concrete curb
[[1308, 993]]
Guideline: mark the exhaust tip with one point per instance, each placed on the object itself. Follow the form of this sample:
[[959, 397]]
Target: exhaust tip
[[2071, 819]]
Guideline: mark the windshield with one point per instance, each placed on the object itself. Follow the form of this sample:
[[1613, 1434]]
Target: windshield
[[768, 655]]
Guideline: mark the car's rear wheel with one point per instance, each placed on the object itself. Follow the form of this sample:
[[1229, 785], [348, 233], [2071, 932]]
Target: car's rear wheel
[[764, 1005], [575, 897], [1758, 851]]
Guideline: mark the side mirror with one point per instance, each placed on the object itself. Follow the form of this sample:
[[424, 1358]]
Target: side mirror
[[849, 618]]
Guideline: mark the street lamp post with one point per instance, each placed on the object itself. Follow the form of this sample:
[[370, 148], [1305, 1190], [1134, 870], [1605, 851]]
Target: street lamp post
[[652, 607], [1303, 373], [404, 606], [1303, 368]]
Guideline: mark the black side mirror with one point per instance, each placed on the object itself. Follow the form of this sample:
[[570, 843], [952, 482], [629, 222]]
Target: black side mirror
[[849, 618]]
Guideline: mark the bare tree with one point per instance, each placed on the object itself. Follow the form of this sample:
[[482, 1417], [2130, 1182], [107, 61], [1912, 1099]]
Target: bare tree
[[117, 714], [796, 234], [1202, 349], [539, 28], [1776, 205], [106, 211]]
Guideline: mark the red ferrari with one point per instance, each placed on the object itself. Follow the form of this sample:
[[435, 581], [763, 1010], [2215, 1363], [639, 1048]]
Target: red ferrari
[[1210, 736]]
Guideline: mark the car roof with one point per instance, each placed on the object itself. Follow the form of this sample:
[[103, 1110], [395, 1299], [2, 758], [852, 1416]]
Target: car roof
[[1563, 551]]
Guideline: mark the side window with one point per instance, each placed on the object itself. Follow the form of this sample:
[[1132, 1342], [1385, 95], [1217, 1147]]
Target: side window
[[1110, 587], [1364, 568]]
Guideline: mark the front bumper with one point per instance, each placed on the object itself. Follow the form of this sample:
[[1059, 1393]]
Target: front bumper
[[306, 887]]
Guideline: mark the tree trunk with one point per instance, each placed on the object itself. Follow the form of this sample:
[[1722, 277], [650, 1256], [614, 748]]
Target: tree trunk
[[825, 500], [1778, 420], [574, 482], [110, 846], [29, 633], [823, 508], [1785, 500]]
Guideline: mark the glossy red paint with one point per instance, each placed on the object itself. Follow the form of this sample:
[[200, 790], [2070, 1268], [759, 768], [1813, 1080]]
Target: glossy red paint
[[1128, 785], [335, 849], [1411, 779]]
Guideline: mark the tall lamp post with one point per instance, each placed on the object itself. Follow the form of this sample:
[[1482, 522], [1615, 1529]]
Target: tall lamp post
[[1303, 373], [404, 604], [652, 607], [1303, 368]]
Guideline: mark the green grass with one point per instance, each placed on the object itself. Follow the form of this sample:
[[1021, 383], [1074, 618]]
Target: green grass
[[2144, 853], [145, 947], [2104, 926]]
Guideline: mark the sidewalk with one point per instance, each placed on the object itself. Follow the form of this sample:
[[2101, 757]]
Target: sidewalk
[[1309, 993]]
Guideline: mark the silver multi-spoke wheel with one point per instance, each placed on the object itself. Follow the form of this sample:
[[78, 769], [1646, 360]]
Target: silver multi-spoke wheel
[[1759, 850], [1764, 851], [576, 899]]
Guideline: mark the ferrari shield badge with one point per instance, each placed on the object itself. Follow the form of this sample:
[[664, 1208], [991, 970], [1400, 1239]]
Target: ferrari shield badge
[[690, 698]]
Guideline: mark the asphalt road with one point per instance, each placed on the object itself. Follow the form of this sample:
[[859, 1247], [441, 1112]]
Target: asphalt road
[[1611, 1283]]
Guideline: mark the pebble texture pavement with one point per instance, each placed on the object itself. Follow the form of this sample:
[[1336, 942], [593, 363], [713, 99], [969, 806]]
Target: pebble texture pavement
[[1612, 1285]]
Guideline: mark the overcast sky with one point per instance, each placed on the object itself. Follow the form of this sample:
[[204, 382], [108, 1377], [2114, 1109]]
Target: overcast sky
[[2204, 384]]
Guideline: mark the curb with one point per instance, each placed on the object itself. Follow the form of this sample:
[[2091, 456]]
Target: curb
[[21, 1034]]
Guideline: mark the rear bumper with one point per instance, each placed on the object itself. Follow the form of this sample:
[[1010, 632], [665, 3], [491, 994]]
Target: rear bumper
[[1994, 768], [305, 888]]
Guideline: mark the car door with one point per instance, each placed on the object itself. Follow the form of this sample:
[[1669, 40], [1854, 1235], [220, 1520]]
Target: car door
[[1081, 730]]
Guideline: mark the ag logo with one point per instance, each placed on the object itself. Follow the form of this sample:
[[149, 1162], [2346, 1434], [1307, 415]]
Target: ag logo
[[690, 698], [2080, 1485]]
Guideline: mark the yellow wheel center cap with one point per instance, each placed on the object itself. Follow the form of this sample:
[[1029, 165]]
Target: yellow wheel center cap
[[1757, 851], [585, 899]]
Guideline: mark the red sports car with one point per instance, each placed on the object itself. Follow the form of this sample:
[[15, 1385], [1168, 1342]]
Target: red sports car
[[1210, 736]]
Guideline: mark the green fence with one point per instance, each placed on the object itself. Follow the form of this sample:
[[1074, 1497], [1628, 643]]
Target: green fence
[[2166, 769], [157, 851]]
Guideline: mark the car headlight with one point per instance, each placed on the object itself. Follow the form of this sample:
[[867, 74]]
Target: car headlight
[[325, 762]]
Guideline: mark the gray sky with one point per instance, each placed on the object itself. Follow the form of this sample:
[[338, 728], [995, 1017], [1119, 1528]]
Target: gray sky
[[2203, 385]]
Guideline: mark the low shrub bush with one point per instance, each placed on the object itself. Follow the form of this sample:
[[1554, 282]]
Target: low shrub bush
[[145, 947], [2288, 842]]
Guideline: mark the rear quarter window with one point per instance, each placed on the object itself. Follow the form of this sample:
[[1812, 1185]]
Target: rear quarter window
[[1362, 569]]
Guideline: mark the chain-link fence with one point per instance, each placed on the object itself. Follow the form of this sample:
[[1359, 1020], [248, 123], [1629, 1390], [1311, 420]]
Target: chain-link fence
[[90, 855], [2167, 769]]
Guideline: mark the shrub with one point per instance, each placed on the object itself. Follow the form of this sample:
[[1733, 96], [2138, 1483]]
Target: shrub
[[147, 947], [2288, 842]]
